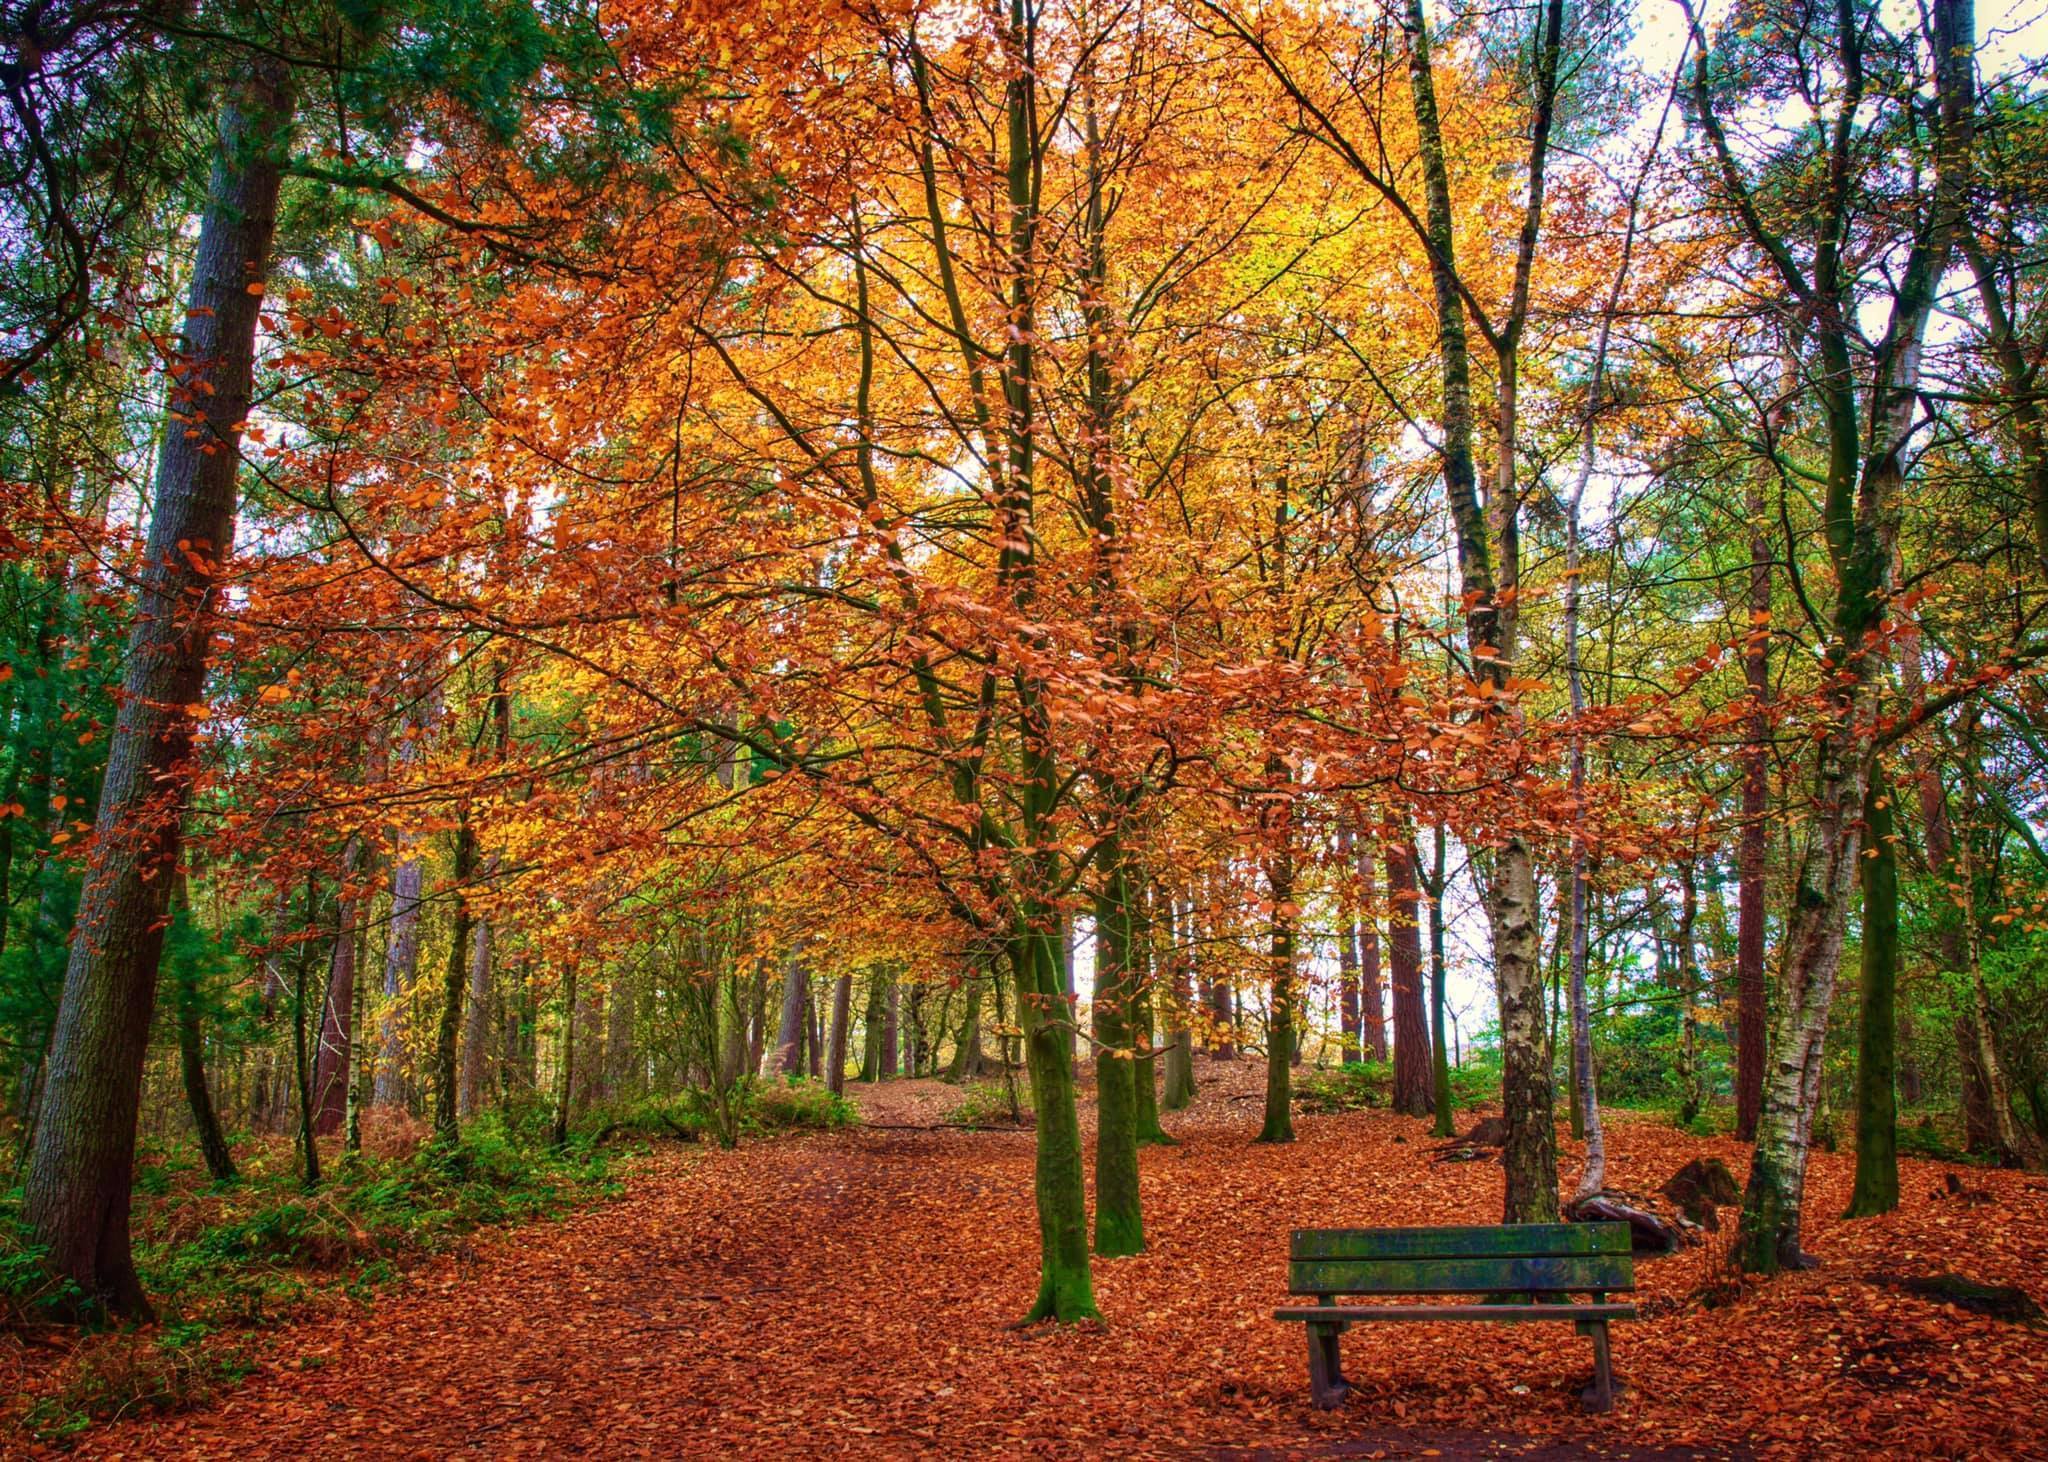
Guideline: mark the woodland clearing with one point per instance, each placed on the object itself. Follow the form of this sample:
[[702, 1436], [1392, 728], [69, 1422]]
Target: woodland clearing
[[851, 1293]]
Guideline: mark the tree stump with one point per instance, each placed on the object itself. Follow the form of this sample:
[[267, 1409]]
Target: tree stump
[[1700, 1188]]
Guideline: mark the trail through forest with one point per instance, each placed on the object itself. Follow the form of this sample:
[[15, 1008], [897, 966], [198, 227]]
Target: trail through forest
[[850, 1293]]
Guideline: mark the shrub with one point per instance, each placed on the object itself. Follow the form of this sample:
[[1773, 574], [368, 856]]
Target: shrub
[[1354, 1086], [987, 1104], [801, 1103]]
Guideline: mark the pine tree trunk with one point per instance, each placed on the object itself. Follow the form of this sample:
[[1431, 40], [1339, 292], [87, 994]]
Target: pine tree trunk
[[81, 1163]]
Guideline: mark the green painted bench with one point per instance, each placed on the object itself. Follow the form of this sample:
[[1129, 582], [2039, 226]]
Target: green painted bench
[[1525, 1271]]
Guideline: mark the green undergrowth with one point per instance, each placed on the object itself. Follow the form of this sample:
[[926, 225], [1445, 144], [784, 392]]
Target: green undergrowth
[[987, 1104], [760, 1108], [221, 1260], [1352, 1087]]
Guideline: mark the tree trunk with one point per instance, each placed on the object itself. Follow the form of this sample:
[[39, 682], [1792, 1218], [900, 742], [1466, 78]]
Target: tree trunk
[[1119, 1222], [1066, 1287], [1414, 1082], [1372, 1000], [1180, 1050], [453, 981], [565, 1079], [785, 1057], [1280, 1033], [337, 1017], [1348, 1012], [1750, 1001], [835, 1047], [192, 1066], [814, 1032], [1145, 1023], [1860, 526], [1439, 1059], [891, 1015], [304, 1026], [871, 1067], [401, 962], [1877, 1108], [476, 1039], [968, 1061], [81, 1165]]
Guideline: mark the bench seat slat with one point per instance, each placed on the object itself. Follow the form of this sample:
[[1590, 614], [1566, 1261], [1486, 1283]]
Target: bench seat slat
[[1461, 1276], [1518, 1240], [1366, 1314]]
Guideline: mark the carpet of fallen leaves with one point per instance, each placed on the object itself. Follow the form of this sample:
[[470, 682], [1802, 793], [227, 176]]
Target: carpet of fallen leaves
[[850, 1293]]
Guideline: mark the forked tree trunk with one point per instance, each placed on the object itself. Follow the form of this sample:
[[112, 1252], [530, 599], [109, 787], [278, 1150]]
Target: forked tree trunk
[[81, 1161], [1865, 481]]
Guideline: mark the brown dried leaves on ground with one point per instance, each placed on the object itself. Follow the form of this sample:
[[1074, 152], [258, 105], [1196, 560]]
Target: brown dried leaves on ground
[[851, 1293]]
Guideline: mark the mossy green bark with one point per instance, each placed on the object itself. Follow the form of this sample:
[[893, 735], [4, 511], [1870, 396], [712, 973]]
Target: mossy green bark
[[1119, 1219], [1280, 1037], [1066, 1287], [1877, 1104], [1439, 1057], [1143, 1029]]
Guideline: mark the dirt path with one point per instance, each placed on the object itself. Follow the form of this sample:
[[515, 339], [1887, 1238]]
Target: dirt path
[[849, 1294]]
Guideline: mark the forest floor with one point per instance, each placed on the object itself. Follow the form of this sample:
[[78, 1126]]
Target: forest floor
[[850, 1293]]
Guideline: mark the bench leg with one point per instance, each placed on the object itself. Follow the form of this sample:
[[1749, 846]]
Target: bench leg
[[1600, 1395], [1326, 1383]]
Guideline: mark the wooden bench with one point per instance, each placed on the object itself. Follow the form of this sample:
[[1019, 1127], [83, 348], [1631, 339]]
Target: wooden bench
[[1526, 1271]]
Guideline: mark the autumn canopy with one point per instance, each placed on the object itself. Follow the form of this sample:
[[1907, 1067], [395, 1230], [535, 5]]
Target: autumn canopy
[[572, 571]]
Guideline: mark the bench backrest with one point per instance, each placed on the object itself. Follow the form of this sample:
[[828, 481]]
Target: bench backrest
[[1528, 1258]]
